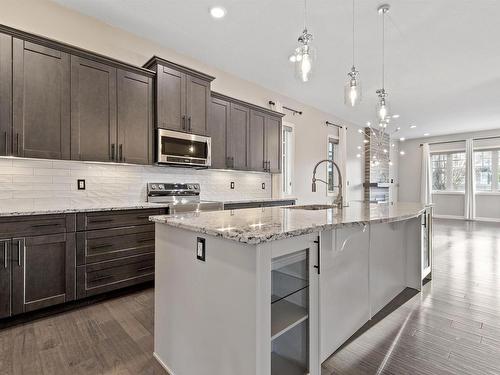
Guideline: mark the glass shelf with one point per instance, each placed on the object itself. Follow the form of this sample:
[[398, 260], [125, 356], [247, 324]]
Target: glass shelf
[[284, 285]]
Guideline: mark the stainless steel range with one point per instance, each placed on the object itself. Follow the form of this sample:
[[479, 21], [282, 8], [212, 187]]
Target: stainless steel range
[[180, 197]]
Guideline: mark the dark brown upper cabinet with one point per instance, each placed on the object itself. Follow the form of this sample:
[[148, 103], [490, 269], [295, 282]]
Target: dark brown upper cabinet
[[41, 101], [5, 95], [218, 124], [93, 110], [135, 118], [237, 137], [252, 135], [256, 150], [272, 136], [182, 97]]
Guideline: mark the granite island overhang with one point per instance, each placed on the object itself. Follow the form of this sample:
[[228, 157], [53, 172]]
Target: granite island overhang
[[277, 290]]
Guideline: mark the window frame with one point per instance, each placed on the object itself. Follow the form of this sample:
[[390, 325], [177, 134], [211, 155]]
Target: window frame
[[495, 170], [448, 170], [335, 140], [287, 158]]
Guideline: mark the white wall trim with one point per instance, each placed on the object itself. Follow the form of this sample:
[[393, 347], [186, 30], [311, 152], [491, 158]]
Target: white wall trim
[[453, 217], [488, 219], [162, 364], [447, 192]]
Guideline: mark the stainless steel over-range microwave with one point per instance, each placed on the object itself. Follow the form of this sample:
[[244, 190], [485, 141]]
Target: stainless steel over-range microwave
[[183, 149]]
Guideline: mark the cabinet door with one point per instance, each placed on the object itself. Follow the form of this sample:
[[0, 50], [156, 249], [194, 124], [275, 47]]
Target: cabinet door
[[218, 124], [198, 99], [5, 94], [256, 141], [93, 110], [5, 278], [273, 144], [135, 127], [43, 271], [41, 101], [171, 99], [237, 142]]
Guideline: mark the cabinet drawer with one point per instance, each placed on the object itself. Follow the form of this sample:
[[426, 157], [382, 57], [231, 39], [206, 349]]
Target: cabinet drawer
[[107, 244], [36, 225], [110, 275], [107, 219]]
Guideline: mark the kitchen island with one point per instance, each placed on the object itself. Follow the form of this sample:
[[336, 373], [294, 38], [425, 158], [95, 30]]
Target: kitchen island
[[277, 290]]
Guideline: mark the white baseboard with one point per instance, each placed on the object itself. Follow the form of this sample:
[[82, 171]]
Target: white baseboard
[[490, 219], [162, 364], [453, 217]]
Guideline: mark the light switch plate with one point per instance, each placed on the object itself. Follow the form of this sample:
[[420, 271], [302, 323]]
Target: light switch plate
[[81, 184], [232, 185], [201, 249]]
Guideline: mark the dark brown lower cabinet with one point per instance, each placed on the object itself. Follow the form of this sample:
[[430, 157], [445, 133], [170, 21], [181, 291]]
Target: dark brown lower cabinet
[[114, 274], [43, 271], [5, 278]]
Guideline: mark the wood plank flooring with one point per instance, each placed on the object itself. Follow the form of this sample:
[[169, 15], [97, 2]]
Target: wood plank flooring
[[453, 327]]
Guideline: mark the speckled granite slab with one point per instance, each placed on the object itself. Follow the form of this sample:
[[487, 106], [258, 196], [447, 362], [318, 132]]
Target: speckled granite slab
[[256, 225], [256, 200], [79, 208]]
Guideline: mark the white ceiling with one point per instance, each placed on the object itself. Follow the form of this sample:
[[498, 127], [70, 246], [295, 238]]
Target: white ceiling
[[443, 56]]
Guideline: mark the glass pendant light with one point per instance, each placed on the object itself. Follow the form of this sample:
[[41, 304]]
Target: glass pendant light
[[382, 104], [305, 54], [352, 89]]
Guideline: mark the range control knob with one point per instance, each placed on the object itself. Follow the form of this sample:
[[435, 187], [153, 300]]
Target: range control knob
[[161, 187], [153, 187]]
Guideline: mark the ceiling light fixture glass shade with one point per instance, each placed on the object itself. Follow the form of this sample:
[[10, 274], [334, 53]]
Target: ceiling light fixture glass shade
[[352, 88], [383, 109], [304, 57]]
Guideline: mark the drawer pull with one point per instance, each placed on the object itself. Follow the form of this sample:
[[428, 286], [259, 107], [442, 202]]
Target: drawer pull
[[145, 240], [145, 268], [101, 278], [143, 216], [5, 265], [44, 225], [101, 220], [101, 246]]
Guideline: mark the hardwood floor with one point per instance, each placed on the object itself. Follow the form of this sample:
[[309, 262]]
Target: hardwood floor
[[110, 337], [452, 327]]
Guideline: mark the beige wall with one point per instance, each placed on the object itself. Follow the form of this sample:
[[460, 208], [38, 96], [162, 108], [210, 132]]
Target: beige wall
[[54, 21]]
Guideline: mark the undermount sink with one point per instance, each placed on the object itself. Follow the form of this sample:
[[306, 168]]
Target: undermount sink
[[312, 207]]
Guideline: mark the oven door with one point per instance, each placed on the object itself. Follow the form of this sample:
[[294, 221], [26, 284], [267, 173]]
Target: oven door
[[182, 148]]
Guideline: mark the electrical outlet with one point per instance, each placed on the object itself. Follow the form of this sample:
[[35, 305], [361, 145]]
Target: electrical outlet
[[200, 248], [81, 184], [263, 186], [232, 185]]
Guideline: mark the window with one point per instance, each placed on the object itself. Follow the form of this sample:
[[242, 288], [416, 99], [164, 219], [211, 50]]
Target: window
[[330, 169], [484, 172], [448, 171], [487, 169], [287, 155]]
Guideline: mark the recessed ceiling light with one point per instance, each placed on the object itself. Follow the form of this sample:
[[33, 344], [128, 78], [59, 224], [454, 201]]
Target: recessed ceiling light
[[401, 152], [395, 116], [358, 155], [217, 12], [413, 126], [426, 134], [402, 139]]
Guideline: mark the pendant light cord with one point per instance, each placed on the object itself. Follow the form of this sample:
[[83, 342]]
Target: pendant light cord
[[383, 50], [305, 14], [353, 30]]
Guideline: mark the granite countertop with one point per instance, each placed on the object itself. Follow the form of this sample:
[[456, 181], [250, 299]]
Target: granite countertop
[[256, 200], [256, 225], [79, 208]]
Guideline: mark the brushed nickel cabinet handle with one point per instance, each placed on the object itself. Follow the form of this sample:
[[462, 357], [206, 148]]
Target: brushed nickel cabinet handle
[[5, 254], [19, 252], [121, 152], [100, 246], [183, 122], [17, 144], [189, 124], [112, 151]]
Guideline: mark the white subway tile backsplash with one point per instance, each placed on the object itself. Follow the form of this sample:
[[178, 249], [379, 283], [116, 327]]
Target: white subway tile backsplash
[[31, 183]]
